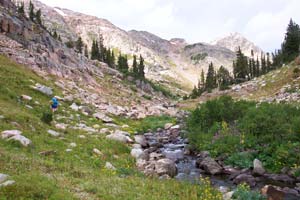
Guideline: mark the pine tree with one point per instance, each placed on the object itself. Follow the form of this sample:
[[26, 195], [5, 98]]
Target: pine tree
[[223, 78], [257, 65], [135, 69], [38, 16], [79, 45], [86, 51], [59, 38], [113, 59], [210, 78], [263, 64], [31, 11], [268, 63], [241, 68], [55, 34], [141, 68], [94, 51], [123, 64], [21, 9], [291, 44]]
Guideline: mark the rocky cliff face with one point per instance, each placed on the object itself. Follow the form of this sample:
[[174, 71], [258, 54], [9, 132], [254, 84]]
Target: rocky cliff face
[[168, 62]]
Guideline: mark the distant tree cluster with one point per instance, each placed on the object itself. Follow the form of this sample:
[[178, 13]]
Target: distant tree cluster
[[101, 53]]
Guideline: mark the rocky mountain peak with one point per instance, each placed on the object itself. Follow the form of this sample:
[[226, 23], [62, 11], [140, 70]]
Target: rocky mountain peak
[[235, 40]]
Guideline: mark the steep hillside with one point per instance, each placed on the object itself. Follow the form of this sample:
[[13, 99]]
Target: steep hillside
[[168, 62]]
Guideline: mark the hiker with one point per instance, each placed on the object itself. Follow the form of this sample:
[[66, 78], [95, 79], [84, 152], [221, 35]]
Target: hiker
[[54, 104]]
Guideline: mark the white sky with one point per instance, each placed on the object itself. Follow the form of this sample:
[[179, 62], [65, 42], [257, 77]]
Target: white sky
[[262, 21]]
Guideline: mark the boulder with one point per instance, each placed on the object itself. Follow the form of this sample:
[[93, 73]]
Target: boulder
[[245, 178], [272, 192], [140, 139], [10, 133], [139, 154], [258, 168], [210, 166], [103, 117], [22, 139], [3, 177], [74, 107], [118, 137], [7, 183], [43, 89], [53, 133], [165, 166], [280, 178]]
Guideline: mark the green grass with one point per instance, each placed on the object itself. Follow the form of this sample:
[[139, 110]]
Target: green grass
[[78, 174]]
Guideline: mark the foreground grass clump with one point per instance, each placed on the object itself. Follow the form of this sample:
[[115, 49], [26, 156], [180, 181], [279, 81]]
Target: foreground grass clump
[[243, 192], [78, 173], [243, 130]]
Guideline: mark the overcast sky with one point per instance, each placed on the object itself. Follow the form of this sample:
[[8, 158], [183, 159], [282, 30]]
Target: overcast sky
[[262, 21]]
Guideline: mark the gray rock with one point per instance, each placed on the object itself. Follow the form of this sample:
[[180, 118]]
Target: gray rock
[[140, 139], [3, 177], [165, 166], [53, 133], [174, 155], [245, 178], [103, 117], [210, 166], [7, 183], [74, 107], [137, 153], [168, 126], [26, 97], [22, 139], [10, 133], [119, 137], [43, 89], [258, 168], [109, 166]]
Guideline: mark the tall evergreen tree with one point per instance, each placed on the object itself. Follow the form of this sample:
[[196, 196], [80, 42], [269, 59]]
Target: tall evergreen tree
[[79, 45], [21, 9], [291, 44], [135, 69], [94, 51], [268, 63], [257, 65], [38, 16], [31, 11], [210, 78], [141, 68], [263, 64], [223, 78], [86, 51], [241, 69]]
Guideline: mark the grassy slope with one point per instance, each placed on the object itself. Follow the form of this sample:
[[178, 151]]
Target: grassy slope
[[274, 80], [75, 175]]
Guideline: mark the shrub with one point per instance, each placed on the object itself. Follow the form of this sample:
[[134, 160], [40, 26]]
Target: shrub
[[47, 117], [243, 192]]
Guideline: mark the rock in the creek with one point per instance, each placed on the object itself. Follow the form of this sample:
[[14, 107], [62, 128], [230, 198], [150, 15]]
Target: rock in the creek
[[109, 166], [140, 139], [103, 117], [258, 168], [272, 192], [201, 156], [165, 166], [174, 155], [245, 178], [10, 133], [280, 178], [210, 166], [21, 139], [53, 133], [136, 146]]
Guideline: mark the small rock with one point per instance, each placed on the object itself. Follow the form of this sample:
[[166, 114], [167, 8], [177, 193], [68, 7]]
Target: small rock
[[211, 166], [168, 126], [97, 152], [82, 136], [61, 126], [109, 166], [245, 178], [25, 97], [3, 177], [2, 117], [73, 145], [104, 131], [103, 117], [139, 154], [165, 166], [140, 139], [228, 195], [53, 133], [29, 107], [96, 126], [7, 183], [69, 150]]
